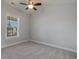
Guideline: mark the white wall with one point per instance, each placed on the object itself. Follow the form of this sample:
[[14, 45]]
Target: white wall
[[23, 25], [56, 25]]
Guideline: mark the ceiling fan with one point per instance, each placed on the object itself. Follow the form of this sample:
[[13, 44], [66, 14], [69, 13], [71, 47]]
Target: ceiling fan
[[31, 5]]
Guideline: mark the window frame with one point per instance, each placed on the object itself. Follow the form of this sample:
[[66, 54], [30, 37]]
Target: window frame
[[18, 19]]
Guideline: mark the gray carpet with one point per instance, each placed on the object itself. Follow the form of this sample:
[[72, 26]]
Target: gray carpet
[[31, 50]]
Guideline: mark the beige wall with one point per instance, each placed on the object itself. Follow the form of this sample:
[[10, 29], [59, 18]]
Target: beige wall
[[23, 25], [56, 24]]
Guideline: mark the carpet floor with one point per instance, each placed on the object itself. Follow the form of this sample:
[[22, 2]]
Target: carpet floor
[[31, 50]]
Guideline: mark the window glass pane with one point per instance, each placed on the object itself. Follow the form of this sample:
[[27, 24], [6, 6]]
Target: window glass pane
[[12, 25]]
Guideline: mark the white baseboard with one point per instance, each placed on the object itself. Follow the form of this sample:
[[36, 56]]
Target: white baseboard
[[4, 46], [67, 49]]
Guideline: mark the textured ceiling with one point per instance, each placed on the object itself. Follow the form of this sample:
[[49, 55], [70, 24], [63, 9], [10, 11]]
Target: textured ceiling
[[44, 4], [50, 1]]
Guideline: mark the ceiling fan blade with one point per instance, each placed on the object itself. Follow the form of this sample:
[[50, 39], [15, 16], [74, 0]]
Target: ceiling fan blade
[[23, 3], [37, 4], [34, 8], [26, 8]]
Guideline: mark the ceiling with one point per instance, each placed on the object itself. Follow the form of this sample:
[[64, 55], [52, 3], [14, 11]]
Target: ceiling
[[44, 4]]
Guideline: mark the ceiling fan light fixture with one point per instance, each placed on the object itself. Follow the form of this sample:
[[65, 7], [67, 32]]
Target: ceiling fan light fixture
[[30, 6]]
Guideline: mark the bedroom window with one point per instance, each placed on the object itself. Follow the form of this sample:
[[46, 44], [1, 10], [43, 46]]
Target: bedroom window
[[12, 26]]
